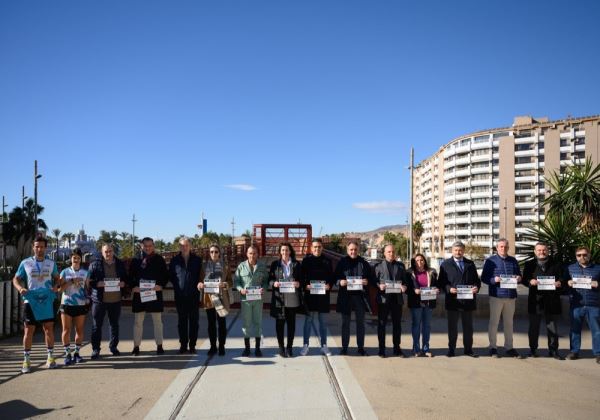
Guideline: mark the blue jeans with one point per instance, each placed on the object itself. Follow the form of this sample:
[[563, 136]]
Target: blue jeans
[[421, 324], [308, 326], [99, 311], [592, 315]]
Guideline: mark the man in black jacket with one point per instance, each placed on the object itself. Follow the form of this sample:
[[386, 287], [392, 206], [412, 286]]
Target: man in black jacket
[[390, 300], [103, 275], [149, 275], [316, 268], [353, 271], [184, 273], [543, 303], [459, 279]]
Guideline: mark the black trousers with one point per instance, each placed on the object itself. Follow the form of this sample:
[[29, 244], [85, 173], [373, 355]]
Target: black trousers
[[99, 311], [384, 312], [358, 306], [467, 329], [290, 320], [188, 314], [551, 328], [213, 319]]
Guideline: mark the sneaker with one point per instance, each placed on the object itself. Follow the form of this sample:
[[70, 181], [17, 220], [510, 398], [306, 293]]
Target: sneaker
[[304, 350], [160, 350], [381, 353], [212, 351], [183, 350], [68, 360], [95, 354], [26, 366], [290, 352], [246, 352], [556, 355], [450, 353], [257, 352], [533, 353], [573, 356], [471, 354], [50, 363], [282, 352], [325, 350], [494, 353], [115, 352], [513, 353], [428, 354], [77, 358], [135, 351], [362, 352], [192, 350]]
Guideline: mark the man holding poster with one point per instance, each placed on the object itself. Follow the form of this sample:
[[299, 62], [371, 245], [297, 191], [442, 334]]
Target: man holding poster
[[583, 277], [543, 278], [459, 279], [353, 274], [501, 273], [149, 275]]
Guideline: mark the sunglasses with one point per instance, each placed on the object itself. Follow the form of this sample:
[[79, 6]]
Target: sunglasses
[[581, 255]]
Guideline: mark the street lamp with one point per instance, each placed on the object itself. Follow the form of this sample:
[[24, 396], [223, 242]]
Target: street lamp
[[23, 197], [36, 176]]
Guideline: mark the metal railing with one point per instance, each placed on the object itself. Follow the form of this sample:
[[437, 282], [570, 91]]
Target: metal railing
[[10, 309]]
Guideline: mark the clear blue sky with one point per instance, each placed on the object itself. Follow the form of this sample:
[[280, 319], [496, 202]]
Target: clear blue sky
[[156, 107]]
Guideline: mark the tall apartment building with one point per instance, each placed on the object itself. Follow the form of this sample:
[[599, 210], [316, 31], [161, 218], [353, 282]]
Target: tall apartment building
[[487, 185]]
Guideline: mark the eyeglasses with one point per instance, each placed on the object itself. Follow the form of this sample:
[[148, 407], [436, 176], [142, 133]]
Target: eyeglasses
[[581, 255]]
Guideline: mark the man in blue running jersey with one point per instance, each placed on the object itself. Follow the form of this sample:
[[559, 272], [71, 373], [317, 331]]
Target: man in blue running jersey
[[36, 272]]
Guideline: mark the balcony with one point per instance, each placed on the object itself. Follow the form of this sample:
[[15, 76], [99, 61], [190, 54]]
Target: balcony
[[480, 231], [480, 219], [462, 196], [461, 220], [480, 182], [462, 172], [532, 152], [481, 158], [481, 206], [530, 165], [482, 170], [525, 205], [481, 194], [526, 192]]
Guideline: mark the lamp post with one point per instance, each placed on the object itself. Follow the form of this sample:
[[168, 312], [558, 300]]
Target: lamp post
[[36, 176], [2, 233], [23, 197], [133, 220]]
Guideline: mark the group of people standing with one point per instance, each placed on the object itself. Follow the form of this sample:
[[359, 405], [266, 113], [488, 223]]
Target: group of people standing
[[304, 287]]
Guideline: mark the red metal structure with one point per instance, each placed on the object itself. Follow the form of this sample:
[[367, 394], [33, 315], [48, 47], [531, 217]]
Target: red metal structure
[[268, 236]]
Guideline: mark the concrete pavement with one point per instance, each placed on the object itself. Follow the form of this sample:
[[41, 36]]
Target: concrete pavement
[[460, 387]]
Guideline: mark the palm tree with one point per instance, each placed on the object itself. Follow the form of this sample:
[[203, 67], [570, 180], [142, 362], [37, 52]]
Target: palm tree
[[417, 233], [577, 191], [572, 212], [56, 233]]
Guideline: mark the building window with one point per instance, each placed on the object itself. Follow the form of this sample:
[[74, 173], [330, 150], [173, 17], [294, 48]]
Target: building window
[[579, 141], [522, 159], [564, 142]]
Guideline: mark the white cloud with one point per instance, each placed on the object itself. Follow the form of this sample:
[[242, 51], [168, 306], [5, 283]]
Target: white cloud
[[241, 187], [391, 207]]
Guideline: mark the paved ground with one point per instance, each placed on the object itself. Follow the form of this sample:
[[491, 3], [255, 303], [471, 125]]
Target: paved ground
[[136, 387]]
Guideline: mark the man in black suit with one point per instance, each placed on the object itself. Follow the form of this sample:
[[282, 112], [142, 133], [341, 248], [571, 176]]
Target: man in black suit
[[458, 277]]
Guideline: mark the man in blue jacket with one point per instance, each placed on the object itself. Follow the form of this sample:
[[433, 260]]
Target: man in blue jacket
[[502, 300], [585, 303]]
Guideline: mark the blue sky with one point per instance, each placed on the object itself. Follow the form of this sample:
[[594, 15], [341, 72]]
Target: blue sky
[[162, 107]]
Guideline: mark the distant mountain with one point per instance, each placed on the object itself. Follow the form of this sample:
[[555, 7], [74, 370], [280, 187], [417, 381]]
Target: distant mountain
[[375, 237]]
